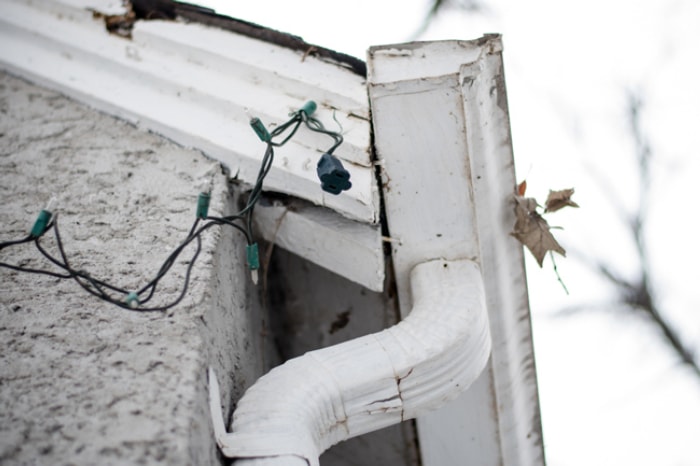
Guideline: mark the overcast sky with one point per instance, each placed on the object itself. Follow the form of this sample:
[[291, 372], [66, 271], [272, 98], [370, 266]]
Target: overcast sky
[[611, 393]]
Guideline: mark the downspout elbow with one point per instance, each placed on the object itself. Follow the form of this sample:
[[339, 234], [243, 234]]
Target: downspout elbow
[[306, 405]]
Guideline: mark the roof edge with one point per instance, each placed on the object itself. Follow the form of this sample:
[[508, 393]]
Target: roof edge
[[170, 9]]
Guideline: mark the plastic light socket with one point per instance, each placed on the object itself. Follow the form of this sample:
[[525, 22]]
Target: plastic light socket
[[203, 205], [40, 224], [132, 299], [334, 177], [309, 107], [253, 256], [260, 129]]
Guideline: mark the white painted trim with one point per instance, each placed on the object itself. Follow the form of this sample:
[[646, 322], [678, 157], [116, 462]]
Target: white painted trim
[[197, 86], [514, 378], [349, 248], [442, 137], [420, 60]]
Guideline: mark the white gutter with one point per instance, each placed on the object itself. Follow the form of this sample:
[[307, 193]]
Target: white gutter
[[301, 408]]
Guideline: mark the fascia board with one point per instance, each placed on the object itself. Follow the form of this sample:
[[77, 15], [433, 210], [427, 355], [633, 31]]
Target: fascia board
[[199, 86]]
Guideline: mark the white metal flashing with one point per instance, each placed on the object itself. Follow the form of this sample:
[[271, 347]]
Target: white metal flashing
[[198, 85], [442, 136]]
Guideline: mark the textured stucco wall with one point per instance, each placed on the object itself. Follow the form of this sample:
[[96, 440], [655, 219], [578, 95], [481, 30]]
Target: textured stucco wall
[[83, 381]]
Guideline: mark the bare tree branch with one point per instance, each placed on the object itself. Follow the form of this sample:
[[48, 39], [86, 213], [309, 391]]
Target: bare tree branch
[[639, 294], [438, 6]]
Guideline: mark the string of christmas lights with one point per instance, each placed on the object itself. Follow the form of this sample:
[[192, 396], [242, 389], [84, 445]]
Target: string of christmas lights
[[333, 176]]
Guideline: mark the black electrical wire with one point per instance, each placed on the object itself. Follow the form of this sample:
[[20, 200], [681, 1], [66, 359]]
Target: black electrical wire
[[137, 300], [7, 244], [315, 125]]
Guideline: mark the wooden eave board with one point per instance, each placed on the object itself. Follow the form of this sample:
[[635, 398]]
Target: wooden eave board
[[199, 86]]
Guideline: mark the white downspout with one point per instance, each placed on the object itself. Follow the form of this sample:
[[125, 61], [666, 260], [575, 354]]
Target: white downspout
[[301, 408]]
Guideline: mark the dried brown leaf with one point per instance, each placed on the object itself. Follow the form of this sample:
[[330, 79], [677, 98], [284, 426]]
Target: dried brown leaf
[[522, 187], [532, 230], [559, 199]]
